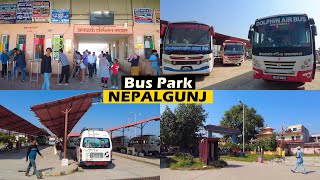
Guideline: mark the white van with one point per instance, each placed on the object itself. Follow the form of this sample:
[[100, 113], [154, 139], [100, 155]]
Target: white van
[[52, 141], [94, 148], [147, 144]]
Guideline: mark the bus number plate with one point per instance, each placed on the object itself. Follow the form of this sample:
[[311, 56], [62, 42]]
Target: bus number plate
[[279, 77], [96, 155], [186, 68]]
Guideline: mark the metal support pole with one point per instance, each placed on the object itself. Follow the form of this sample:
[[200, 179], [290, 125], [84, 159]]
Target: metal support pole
[[65, 133], [123, 137], [58, 74], [141, 136], [243, 127], [37, 71]]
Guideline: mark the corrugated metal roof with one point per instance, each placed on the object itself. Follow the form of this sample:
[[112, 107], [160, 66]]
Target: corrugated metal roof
[[51, 114], [156, 118], [12, 122], [221, 129]]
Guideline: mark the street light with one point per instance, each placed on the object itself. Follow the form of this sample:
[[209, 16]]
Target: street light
[[242, 125]]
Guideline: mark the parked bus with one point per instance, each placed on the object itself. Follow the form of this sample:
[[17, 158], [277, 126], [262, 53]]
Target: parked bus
[[233, 52], [187, 48], [94, 147], [148, 144], [283, 48], [120, 143]]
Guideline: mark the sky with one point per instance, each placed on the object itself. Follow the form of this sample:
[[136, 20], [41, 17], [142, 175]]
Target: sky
[[234, 17], [99, 115], [276, 107]]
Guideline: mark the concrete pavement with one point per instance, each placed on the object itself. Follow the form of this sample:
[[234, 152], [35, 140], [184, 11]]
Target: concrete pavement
[[149, 160], [233, 77], [242, 170]]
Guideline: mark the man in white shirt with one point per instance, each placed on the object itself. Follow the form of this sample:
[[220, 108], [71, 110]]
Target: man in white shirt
[[90, 64], [95, 63]]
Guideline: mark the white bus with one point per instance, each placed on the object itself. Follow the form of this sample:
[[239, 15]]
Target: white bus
[[283, 48], [188, 48], [94, 148]]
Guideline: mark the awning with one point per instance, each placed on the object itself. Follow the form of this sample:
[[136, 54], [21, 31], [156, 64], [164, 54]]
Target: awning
[[156, 118], [220, 38], [12, 122], [51, 114], [221, 129]]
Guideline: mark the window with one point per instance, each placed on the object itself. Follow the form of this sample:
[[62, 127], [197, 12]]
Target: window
[[39, 46], [21, 42], [297, 137], [294, 129], [91, 142], [5, 39]]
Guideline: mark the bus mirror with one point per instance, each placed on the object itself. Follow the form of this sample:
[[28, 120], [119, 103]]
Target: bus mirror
[[250, 34], [212, 31], [311, 21], [314, 30]]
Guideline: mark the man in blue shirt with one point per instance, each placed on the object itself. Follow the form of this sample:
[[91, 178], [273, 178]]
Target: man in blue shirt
[[21, 63], [299, 161], [154, 63], [65, 68], [4, 58], [31, 155]]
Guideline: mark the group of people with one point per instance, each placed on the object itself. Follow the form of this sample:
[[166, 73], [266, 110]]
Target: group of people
[[14, 55], [153, 59], [87, 62]]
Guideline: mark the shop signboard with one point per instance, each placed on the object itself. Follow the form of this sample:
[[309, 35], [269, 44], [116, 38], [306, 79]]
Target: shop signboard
[[60, 16], [8, 13], [157, 15], [143, 15], [41, 11], [24, 12], [57, 44]]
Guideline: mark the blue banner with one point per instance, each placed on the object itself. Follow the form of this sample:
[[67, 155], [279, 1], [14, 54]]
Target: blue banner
[[60, 16], [186, 48], [143, 15], [24, 12]]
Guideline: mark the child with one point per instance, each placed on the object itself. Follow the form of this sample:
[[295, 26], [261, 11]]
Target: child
[[115, 71], [104, 70]]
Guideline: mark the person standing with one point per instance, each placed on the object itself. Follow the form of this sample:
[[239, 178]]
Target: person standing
[[82, 69], [20, 63], [104, 71], [90, 64], [109, 58], [4, 58], [95, 58], [299, 161], [134, 59], [154, 63], [115, 71], [18, 145], [46, 69], [31, 156], [85, 60], [65, 72]]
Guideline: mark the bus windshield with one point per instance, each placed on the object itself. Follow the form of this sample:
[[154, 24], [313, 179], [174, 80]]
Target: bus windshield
[[233, 48], [90, 142], [188, 35], [287, 31]]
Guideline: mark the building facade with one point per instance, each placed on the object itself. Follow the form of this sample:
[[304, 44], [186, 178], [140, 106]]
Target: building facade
[[295, 133], [265, 132], [125, 25]]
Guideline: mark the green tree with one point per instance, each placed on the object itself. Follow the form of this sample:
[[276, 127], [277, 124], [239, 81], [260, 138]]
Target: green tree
[[182, 127], [268, 143], [233, 118]]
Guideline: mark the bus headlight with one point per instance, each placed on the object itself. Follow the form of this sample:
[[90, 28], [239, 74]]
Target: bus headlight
[[206, 60], [166, 61]]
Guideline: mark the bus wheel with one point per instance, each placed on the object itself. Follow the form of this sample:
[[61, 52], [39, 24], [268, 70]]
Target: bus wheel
[[239, 64]]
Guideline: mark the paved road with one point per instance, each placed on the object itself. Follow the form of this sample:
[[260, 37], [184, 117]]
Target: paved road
[[121, 168], [233, 77], [242, 170]]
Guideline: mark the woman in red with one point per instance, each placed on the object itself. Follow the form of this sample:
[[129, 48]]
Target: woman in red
[[115, 71]]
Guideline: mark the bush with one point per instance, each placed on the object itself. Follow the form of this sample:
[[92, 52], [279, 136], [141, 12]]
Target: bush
[[22, 139]]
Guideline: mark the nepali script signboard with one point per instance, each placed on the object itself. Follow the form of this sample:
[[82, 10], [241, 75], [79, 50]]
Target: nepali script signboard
[[60, 16], [107, 29], [8, 13], [24, 12], [143, 15], [41, 11]]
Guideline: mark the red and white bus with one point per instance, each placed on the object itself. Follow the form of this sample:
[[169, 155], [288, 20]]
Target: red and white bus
[[283, 48], [233, 52]]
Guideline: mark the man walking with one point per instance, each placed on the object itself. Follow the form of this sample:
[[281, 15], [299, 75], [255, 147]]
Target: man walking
[[299, 161], [4, 58], [90, 64], [65, 68], [95, 58], [20, 63], [31, 155]]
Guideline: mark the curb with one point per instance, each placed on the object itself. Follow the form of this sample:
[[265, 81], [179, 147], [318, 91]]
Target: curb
[[135, 159]]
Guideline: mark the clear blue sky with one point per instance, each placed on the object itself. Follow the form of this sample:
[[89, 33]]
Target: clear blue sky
[[276, 107], [99, 115], [233, 17]]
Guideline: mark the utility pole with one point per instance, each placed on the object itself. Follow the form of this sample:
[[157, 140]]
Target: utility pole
[[65, 132], [242, 125]]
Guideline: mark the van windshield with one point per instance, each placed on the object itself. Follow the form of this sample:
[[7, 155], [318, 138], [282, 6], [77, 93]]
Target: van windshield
[[94, 142]]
